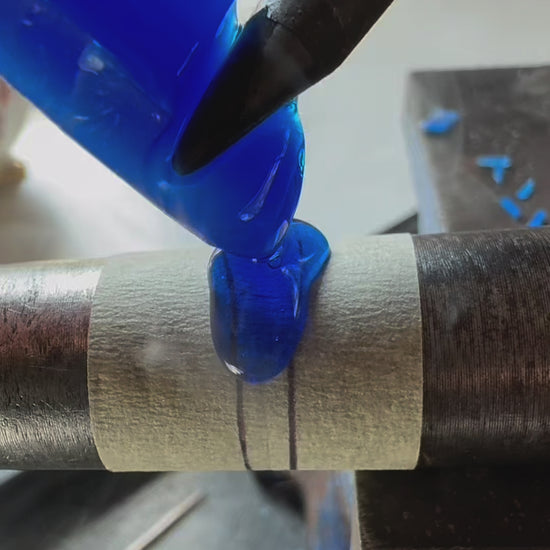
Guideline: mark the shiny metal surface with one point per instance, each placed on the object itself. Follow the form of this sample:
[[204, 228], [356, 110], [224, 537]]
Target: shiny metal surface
[[44, 318], [486, 318]]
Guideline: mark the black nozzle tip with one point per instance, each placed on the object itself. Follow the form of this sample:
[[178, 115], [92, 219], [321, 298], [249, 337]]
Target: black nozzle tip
[[264, 70]]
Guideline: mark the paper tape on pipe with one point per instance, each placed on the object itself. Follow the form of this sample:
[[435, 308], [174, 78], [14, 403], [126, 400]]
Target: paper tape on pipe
[[161, 400], [359, 370]]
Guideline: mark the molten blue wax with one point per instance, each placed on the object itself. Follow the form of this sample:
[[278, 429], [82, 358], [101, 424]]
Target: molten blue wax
[[122, 77], [259, 308]]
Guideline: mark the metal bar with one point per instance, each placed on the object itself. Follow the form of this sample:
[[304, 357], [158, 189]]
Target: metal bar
[[485, 306], [486, 348]]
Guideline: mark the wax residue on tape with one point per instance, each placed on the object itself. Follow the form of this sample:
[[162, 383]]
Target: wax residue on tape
[[498, 164]]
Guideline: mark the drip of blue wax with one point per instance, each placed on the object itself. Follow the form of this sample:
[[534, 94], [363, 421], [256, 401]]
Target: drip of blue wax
[[259, 308]]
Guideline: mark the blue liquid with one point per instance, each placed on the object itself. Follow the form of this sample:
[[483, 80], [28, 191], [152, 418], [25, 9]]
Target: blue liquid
[[259, 308], [122, 77]]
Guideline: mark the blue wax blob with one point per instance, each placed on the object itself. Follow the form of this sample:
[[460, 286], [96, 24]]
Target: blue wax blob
[[258, 309], [123, 78], [441, 122], [498, 165]]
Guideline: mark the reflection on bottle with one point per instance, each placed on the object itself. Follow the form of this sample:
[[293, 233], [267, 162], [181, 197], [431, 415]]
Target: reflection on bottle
[[259, 307]]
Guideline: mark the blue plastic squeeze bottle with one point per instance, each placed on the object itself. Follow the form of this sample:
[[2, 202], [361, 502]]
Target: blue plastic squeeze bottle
[[122, 77]]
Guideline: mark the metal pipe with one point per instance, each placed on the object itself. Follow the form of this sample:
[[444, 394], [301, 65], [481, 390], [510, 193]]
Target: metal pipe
[[486, 347], [45, 316], [110, 364]]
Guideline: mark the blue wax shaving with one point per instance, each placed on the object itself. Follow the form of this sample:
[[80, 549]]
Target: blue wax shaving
[[441, 122], [259, 308], [539, 219], [498, 165], [123, 78], [511, 208], [526, 191]]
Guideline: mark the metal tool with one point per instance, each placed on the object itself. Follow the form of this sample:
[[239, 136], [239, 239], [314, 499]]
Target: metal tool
[[285, 48]]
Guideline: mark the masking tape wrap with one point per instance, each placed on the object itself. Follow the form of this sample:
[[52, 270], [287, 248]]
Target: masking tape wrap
[[161, 400]]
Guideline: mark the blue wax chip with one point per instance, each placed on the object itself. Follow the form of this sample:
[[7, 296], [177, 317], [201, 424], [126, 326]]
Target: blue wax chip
[[440, 122], [525, 192], [511, 208], [540, 217], [498, 165]]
